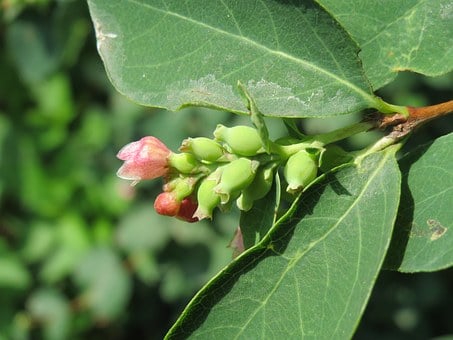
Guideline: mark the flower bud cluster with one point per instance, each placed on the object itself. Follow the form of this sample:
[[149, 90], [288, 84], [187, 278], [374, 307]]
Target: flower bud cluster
[[213, 173]]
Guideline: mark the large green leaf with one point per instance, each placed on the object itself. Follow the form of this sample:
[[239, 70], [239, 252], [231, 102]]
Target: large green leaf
[[395, 36], [312, 275], [422, 241], [291, 55]]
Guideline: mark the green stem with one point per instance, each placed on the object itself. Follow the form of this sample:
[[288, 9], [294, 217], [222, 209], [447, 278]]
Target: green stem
[[348, 131], [319, 141], [285, 151], [385, 107], [380, 145], [403, 127]]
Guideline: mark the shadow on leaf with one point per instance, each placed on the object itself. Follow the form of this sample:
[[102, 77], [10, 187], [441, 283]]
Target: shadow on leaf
[[404, 221]]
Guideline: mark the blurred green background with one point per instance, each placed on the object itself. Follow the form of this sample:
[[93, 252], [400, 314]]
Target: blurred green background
[[83, 255]]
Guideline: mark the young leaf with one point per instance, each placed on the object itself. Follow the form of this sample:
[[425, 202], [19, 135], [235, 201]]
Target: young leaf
[[295, 60], [312, 275], [422, 240], [395, 36], [256, 117]]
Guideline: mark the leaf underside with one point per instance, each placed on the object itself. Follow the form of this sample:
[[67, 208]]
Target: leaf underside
[[422, 240], [294, 59], [312, 275]]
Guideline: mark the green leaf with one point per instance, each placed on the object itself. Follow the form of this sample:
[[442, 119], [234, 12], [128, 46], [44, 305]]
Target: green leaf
[[39, 45], [256, 222], [51, 308], [292, 56], [422, 240], [27, 43], [312, 275], [142, 230], [333, 156], [145, 266], [73, 243], [256, 117], [54, 98], [106, 283], [395, 36], [40, 241], [13, 273]]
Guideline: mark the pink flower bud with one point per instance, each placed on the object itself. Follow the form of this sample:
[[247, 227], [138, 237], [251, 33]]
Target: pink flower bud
[[167, 204], [144, 159], [187, 209]]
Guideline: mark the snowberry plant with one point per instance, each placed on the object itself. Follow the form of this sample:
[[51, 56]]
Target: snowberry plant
[[317, 223]]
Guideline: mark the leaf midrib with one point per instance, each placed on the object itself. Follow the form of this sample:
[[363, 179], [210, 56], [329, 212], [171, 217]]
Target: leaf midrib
[[300, 255], [366, 96]]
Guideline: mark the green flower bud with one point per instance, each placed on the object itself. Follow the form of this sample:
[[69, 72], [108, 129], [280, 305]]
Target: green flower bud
[[202, 148], [259, 188], [181, 187], [184, 163], [241, 140], [207, 199], [300, 170], [236, 176]]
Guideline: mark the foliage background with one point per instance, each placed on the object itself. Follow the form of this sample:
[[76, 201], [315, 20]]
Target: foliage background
[[83, 254]]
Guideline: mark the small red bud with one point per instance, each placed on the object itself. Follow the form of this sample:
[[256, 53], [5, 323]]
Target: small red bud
[[187, 209], [167, 204]]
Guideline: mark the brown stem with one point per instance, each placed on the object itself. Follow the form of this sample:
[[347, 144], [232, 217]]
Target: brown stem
[[417, 116], [429, 112], [403, 125]]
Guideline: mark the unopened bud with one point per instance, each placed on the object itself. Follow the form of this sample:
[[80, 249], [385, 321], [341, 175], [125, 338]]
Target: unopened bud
[[259, 188], [242, 140], [300, 170], [167, 204], [236, 176], [202, 148], [187, 210], [181, 187], [207, 199], [184, 163]]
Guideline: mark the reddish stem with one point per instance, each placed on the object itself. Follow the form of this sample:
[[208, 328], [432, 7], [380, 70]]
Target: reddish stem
[[430, 112], [417, 116]]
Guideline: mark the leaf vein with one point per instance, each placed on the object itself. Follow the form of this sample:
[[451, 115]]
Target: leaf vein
[[292, 262], [280, 54]]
